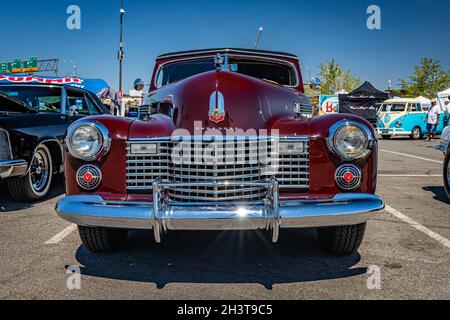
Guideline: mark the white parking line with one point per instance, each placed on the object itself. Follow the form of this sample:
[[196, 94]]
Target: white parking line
[[60, 236], [418, 226], [411, 156], [410, 175]]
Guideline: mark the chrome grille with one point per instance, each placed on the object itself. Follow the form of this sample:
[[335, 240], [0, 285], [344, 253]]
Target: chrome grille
[[304, 110], [241, 163], [5, 147]]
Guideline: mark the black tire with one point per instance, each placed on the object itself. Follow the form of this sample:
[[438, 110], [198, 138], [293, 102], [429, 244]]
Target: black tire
[[447, 173], [386, 137], [102, 239], [343, 240], [26, 189], [416, 133]]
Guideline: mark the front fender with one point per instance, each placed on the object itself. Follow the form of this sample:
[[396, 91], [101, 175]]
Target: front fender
[[113, 164]]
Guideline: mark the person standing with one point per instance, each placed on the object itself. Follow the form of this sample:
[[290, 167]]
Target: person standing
[[432, 119], [447, 112]]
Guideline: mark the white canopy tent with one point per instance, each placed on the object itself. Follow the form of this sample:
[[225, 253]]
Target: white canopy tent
[[442, 97], [426, 103]]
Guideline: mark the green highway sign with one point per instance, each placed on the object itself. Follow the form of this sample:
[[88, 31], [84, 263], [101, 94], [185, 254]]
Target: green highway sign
[[3, 68], [19, 66], [16, 66], [30, 65]]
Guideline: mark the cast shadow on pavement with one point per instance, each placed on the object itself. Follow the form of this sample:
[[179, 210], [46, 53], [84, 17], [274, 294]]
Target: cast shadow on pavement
[[439, 193], [220, 257], [7, 204]]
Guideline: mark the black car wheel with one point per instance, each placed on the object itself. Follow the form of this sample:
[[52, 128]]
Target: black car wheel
[[35, 185], [102, 239], [447, 174], [416, 133], [343, 240]]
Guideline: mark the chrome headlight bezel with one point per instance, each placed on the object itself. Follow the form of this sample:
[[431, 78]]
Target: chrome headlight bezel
[[105, 142], [368, 143]]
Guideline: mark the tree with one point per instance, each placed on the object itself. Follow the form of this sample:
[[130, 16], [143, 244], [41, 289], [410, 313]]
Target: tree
[[428, 79], [335, 78]]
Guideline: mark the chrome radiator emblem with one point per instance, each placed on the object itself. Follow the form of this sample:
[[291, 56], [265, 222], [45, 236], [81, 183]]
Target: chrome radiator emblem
[[217, 107]]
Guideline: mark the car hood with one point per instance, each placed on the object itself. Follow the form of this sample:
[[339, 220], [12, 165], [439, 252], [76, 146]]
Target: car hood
[[223, 100]]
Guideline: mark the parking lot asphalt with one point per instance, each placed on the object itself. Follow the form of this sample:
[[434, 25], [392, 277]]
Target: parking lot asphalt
[[408, 245]]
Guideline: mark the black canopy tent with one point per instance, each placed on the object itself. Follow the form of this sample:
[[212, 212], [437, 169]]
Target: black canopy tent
[[362, 102]]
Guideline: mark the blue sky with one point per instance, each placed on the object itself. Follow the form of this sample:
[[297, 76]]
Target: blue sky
[[314, 30]]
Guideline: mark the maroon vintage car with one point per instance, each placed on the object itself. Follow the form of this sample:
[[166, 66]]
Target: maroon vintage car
[[225, 140]]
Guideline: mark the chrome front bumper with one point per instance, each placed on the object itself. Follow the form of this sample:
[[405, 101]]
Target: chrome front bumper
[[393, 132], [343, 209], [13, 168]]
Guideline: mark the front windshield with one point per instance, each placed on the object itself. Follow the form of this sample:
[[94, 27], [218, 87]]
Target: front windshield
[[393, 107], [42, 99], [276, 72]]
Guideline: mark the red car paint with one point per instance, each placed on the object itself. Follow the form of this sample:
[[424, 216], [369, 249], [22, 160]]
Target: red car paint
[[250, 103]]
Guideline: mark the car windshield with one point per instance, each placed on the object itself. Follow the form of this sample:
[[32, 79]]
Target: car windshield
[[393, 107], [277, 72], [41, 99]]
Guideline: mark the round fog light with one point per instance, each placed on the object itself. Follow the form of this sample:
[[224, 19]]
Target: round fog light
[[348, 177], [89, 177]]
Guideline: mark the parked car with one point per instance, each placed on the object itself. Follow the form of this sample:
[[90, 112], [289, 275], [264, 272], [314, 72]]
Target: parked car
[[225, 141], [444, 146], [404, 117], [33, 120]]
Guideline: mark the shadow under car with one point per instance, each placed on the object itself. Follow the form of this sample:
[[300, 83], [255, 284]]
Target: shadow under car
[[220, 257]]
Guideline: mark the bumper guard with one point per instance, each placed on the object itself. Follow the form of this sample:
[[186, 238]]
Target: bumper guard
[[271, 213]]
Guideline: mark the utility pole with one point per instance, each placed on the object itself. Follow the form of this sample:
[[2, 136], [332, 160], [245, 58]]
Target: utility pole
[[120, 56], [258, 37], [74, 66]]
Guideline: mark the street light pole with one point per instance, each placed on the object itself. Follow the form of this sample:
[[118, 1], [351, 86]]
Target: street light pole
[[120, 56], [258, 37], [74, 66]]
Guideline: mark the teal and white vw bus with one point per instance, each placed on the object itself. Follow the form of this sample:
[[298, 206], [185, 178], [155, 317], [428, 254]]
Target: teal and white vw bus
[[404, 117]]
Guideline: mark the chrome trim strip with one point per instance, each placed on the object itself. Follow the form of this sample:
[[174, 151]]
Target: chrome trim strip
[[226, 50], [199, 139]]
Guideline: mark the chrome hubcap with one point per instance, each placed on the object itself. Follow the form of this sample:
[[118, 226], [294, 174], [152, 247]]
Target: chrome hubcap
[[39, 172]]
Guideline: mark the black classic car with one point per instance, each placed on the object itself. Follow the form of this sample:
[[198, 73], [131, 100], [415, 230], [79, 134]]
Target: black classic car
[[33, 121]]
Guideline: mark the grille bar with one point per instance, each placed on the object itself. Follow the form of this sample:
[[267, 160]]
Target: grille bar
[[5, 146], [239, 165]]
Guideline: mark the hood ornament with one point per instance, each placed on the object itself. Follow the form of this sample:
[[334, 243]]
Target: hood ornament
[[217, 107], [219, 61]]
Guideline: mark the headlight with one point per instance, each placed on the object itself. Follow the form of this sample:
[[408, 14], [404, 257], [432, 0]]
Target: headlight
[[88, 140], [349, 140]]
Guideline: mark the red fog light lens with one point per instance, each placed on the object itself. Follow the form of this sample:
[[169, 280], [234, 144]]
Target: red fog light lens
[[89, 177], [348, 177]]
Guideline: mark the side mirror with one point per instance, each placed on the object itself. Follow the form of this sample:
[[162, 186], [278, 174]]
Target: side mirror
[[139, 85]]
